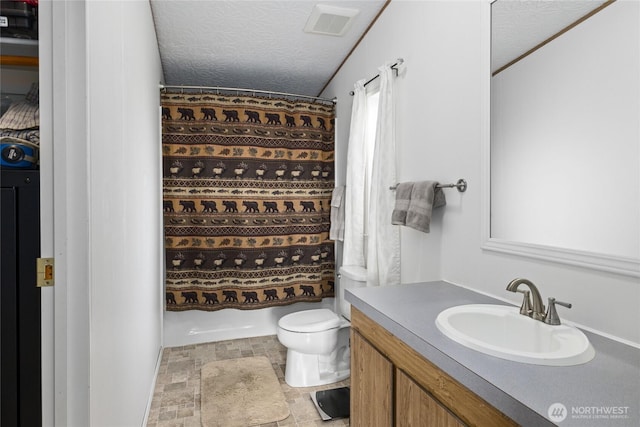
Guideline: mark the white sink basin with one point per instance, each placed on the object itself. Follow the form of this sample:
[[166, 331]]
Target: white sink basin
[[501, 331]]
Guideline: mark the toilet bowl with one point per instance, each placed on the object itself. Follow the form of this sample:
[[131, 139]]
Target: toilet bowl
[[317, 340], [315, 355]]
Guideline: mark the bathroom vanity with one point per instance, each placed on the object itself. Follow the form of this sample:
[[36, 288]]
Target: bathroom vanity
[[379, 357], [406, 372]]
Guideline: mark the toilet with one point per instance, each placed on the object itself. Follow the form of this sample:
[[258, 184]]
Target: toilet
[[317, 340]]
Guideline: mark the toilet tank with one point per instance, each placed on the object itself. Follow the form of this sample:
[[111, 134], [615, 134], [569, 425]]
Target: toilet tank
[[351, 277]]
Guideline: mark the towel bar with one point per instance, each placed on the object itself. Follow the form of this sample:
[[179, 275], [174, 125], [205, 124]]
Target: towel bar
[[461, 185]]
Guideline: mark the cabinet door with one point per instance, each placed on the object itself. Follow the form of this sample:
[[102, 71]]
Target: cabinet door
[[371, 385], [20, 351], [415, 407], [8, 309]]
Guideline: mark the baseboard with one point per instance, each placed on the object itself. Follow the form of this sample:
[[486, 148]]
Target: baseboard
[[153, 387]]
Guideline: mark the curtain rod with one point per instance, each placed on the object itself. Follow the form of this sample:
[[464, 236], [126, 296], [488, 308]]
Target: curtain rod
[[235, 89], [393, 66]]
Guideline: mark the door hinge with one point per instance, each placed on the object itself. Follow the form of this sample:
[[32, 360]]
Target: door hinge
[[44, 272]]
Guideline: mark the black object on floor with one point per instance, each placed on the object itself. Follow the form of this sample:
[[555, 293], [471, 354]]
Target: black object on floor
[[332, 403]]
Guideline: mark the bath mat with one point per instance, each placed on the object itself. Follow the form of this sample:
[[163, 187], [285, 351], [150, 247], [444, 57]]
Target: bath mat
[[241, 392]]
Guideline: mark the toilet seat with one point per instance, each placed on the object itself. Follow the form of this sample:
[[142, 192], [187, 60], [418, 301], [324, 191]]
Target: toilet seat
[[317, 320]]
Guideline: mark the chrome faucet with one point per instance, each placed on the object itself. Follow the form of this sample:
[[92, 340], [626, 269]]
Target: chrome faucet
[[533, 308]]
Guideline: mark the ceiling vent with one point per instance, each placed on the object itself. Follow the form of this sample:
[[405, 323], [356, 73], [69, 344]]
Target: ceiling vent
[[330, 20]]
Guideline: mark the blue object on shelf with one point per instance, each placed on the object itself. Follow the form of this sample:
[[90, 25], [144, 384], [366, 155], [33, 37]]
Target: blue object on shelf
[[15, 153]]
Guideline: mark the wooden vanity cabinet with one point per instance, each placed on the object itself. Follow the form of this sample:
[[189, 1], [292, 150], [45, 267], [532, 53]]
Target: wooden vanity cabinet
[[415, 407], [371, 385], [393, 385]]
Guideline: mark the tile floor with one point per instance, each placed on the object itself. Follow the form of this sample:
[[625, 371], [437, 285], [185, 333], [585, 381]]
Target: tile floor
[[176, 399]]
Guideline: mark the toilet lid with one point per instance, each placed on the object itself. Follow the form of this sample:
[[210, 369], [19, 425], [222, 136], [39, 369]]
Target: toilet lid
[[321, 319]]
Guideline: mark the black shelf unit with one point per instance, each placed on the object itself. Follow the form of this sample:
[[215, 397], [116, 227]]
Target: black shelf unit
[[20, 327]]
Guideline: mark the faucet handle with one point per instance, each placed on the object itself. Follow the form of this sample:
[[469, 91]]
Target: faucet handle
[[551, 317], [525, 308]]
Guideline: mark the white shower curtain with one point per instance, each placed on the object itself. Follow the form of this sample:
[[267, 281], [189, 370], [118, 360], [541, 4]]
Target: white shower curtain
[[370, 240], [353, 249], [383, 248]]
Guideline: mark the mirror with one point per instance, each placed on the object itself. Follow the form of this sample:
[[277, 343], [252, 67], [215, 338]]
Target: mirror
[[565, 132]]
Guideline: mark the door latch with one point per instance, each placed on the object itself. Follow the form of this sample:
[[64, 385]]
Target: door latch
[[44, 272]]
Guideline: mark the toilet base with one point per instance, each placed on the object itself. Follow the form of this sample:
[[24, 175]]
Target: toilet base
[[309, 370]]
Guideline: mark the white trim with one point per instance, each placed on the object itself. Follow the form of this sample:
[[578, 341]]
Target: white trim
[[161, 251], [71, 355], [147, 410], [601, 262], [45, 57], [485, 126]]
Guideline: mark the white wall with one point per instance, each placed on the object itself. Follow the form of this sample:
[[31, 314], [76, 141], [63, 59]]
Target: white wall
[[105, 164], [108, 308], [125, 237], [441, 119], [432, 103]]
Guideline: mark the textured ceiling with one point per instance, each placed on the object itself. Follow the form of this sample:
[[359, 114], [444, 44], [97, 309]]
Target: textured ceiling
[[261, 44], [252, 44], [519, 25]]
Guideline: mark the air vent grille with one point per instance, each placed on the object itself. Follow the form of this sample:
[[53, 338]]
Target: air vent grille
[[330, 20]]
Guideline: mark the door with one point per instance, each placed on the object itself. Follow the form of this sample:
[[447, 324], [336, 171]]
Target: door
[[20, 375], [415, 407], [371, 385]]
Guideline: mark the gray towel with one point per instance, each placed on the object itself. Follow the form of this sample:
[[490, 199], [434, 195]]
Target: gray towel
[[403, 197], [425, 196], [336, 230]]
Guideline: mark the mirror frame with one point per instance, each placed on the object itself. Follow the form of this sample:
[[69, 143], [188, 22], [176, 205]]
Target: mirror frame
[[595, 261]]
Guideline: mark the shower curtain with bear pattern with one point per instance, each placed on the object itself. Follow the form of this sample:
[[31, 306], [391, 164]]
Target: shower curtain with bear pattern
[[247, 184]]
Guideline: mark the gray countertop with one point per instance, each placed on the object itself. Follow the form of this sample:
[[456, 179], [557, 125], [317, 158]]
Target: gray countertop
[[602, 392]]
